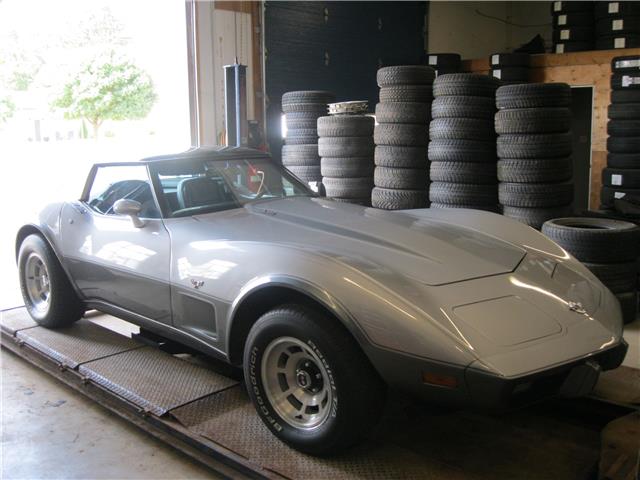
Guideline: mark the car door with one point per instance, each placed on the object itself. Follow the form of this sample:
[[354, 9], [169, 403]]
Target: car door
[[112, 260]]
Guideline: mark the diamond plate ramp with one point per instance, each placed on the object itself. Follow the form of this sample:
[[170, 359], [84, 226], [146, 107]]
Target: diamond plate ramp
[[154, 380], [229, 419], [81, 342], [16, 319]]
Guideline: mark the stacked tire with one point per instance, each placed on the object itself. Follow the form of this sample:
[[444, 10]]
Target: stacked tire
[[621, 178], [617, 25], [462, 150], [346, 149], [510, 68], [535, 169], [573, 26], [401, 137], [607, 247], [444, 63], [300, 152]]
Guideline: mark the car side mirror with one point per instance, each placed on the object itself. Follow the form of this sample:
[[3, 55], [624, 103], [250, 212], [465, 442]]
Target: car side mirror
[[131, 208]]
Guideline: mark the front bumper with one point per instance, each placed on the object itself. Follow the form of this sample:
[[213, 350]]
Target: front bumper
[[486, 391]]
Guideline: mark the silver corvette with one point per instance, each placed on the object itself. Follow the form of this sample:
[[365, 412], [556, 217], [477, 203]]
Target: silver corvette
[[326, 305]]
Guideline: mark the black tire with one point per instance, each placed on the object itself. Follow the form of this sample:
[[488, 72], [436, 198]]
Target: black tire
[[573, 19], [347, 167], [626, 63], [465, 84], [463, 194], [624, 128], [358, 391], [306, 173], [558, 8], [485, 208], [300, 140], [308, 96], [623, 160], [609, 42], [403, 112], [628, 306], [302, 120], [463, 107], [608, 195], [359, 187], [542, 170], [625, 81], [625, 96], [345, 126], [550, 145], [401, 178], [462, 151], [401, 134], [498, 60], [401, 157], [618, 25], [63, 306], [535, 217], [317, 109], [533, 120], [617, 277], [405, 75], [461, 128], [535, 195], [345, 146], [407, 93], [623, 144], [511, 74], [300, 155], [619, 177], [573, 34], [603, 10], [623, 111], [444, 61], [533, 95], [301, 132], [390, 199], [595, 240], [464, 172]]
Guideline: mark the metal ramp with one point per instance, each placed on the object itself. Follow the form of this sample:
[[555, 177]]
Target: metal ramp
[[197, 409]]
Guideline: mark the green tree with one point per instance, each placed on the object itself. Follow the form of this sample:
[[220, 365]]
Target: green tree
[[107, 89]]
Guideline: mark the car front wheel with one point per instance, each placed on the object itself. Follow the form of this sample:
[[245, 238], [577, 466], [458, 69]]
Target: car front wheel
[[46, 291], [310, 382]]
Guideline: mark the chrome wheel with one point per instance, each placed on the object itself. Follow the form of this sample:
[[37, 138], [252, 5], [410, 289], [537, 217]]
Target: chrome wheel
[[36, 280], [296, 383]]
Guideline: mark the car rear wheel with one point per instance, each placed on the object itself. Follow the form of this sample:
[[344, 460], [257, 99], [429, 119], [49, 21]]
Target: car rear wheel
[[46, 291], [310, 382]]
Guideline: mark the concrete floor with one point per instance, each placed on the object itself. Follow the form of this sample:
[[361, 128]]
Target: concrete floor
[[50, 431]]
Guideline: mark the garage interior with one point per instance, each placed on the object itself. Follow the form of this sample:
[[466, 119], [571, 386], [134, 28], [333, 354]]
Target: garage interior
[[243, 73]]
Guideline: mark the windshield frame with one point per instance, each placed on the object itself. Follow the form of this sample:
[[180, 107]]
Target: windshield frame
[[156, 169]]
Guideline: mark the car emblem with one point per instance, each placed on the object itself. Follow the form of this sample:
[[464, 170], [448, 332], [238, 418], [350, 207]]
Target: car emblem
[[577, 307], [197, 283]]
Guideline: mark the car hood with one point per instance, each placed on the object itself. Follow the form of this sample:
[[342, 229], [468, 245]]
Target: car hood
[[431, 251]]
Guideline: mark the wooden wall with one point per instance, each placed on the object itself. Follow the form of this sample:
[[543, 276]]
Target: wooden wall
[[591, 68]]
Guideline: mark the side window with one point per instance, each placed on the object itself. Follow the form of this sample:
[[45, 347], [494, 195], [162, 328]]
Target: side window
[[113, 183]]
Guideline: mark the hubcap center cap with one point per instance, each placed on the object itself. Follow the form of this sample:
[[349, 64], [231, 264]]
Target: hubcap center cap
[[308, 377]]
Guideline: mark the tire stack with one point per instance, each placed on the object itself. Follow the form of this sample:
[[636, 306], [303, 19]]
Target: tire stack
[[462, 150], [607, 247], [573, 26], [617, 25], [401, 137], [510, 68], [534, 147], [300, 152], [346, 150], [621, 178], [444, 63]]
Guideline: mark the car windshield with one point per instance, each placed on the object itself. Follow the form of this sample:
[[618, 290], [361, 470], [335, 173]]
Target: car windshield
[[204, 186]]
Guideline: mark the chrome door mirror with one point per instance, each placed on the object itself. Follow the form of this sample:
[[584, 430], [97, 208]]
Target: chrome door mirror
[[131, 208]]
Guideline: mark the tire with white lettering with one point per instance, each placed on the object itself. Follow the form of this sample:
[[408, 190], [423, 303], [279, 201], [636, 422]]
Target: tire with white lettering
[[309, 381]]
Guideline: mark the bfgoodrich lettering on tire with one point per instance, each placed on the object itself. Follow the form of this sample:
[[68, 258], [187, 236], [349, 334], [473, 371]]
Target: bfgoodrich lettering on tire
[[310, 383]]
